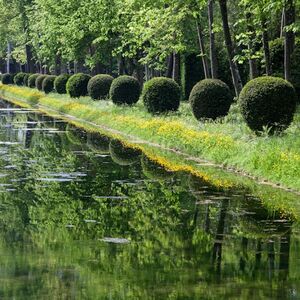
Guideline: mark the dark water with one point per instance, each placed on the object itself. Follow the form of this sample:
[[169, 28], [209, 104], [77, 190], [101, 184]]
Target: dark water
[[84, 218]]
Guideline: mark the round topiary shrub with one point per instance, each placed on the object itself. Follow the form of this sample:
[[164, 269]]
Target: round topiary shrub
[[48, 84], [99, 85], [7, 78], [125, 90], [39, 82], [25, 79], [31, 80], [121, 154], [60, 83], [210, 99], [77, 85], [19, 78], [161, 95], [268, 102]]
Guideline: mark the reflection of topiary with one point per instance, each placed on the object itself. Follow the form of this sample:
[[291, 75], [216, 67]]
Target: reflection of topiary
[[77, 85], [75, 135], [7, 78], [25, 79], [153, 170], [19, 78], [48, 84], [121, 154], [198, 186], [99, 85], [268, 102], [161, 95], [60, 83], [39, 82], [98, 142], [210, 99], [31, 80], [125, 90]]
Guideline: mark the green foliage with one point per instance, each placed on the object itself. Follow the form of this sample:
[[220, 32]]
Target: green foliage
[[121, 154], [60, 83], [7, 78], [99, 85], [77, 85], [39, 82], [125, 90], [48, 84], [268, 102], [19, 78], [31, 80], [210, 99], [98, 143], [161, 95]]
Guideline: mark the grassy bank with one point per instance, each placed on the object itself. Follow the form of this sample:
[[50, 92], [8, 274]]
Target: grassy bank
[[228, 142]]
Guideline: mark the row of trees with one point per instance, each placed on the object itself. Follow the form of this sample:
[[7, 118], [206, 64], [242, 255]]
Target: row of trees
[[145, 38]]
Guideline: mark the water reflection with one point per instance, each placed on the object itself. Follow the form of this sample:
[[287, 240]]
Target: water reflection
[[83, 217]]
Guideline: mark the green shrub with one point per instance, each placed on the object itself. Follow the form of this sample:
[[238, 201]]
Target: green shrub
[[210, 99], [268, 102], [31, 80], [7, 78], [99, 85], [77, 85], [19, 78], [25, 79], [125, 90], [60, 83], [121, 154], [48, 84], [161, 95], [39, 82]]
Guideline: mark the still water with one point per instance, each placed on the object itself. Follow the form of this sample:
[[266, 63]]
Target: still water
[[82, 217]]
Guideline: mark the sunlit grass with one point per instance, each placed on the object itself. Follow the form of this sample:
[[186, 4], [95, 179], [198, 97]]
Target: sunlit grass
[[227, 141]]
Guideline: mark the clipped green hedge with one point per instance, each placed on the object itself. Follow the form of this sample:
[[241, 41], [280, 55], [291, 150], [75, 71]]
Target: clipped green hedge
[[99, 85], [19, 78], [268, 102], [161, 95], [77, 85], [25, 79], [60, 83], [31, 80], [39, 82], [210, 99], [7, 78], [125, 90], [48, 84]]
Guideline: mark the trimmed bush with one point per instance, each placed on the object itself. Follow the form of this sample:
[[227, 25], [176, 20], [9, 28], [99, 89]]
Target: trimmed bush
[[125, 90], [39, 82], [25, 79], [31, 80], [7, 78], [210, 99], [122, 155], [161, 95], [268, 102], [77, 85], [99, 85], [60, 83], [48, 84], [19, 78]]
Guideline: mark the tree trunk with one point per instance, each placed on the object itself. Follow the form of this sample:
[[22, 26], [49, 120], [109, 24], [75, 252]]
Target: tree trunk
[[236, 78], [8, 57], [29, 60], [289, 16], [282, 25], [212, 44], [265, 42], [252, 49], [202, 50], [170, 66], [176, 67]]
